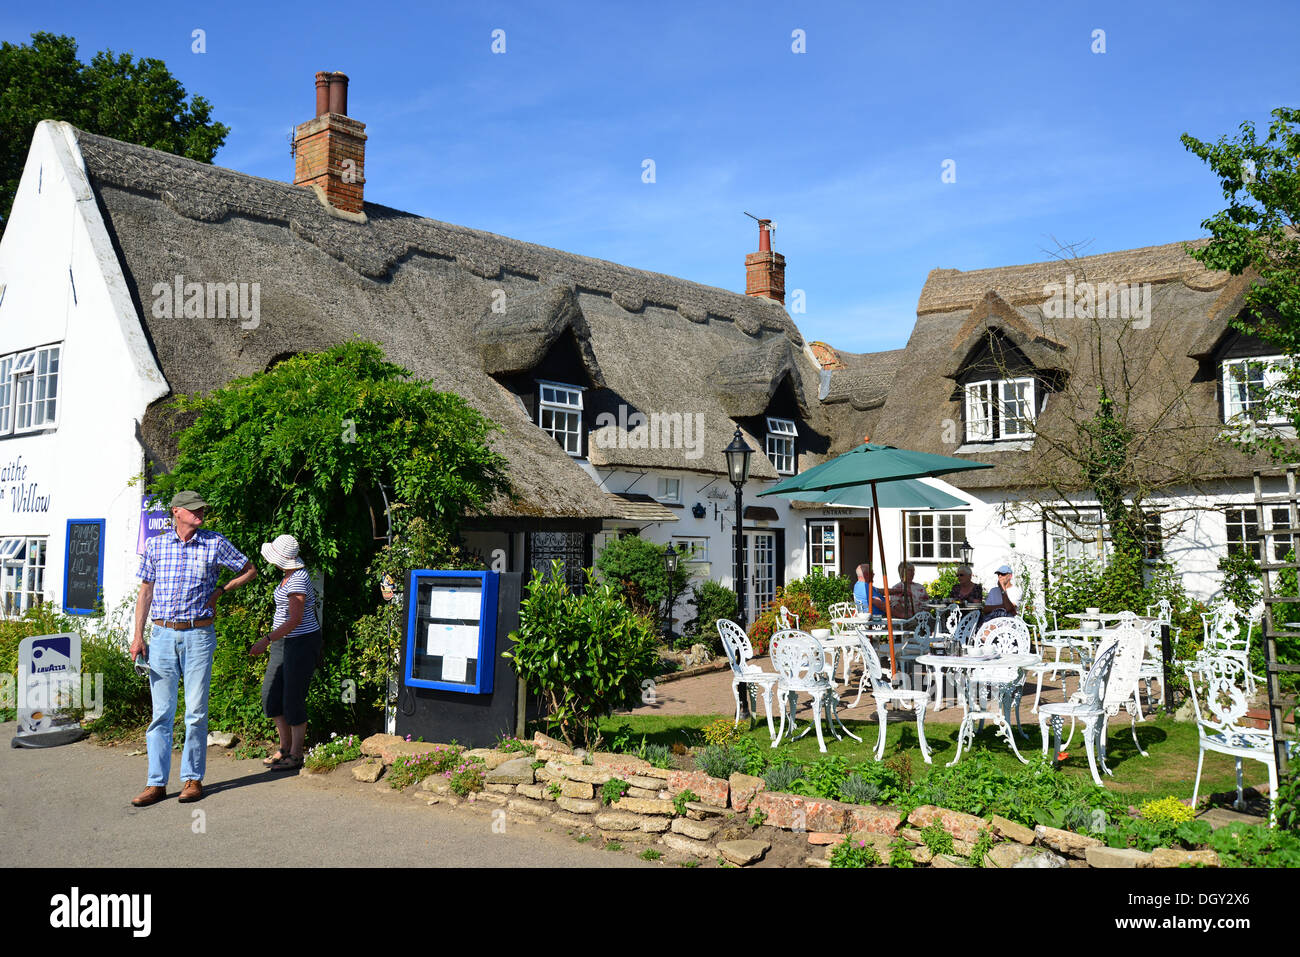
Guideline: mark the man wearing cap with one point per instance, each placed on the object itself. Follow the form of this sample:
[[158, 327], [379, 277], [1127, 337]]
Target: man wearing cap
[[998, 603], [179, 593]]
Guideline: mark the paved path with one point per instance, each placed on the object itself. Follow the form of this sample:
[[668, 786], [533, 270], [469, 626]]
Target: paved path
[[70, 807]]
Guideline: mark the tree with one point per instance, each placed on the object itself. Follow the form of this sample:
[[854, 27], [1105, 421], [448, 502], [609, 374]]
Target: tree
[[304, 449], [1258, 233], [138, 101]]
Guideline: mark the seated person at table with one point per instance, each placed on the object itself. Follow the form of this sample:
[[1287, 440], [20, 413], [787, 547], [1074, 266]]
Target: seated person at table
[[906, 597], [865, 586], [998, 603], [965, 589]]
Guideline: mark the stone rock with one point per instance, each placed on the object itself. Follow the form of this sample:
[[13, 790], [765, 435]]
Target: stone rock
[[577, 806], [630, 837], [491, 757], [794, 812], [620, 765], [559, 757], [538, 792], [576, 789], [877, 820], [707, 790], [1042, 858], [963, 827], [1066, 842], [1117, 857], [490, 797], [571, 820], [1008, 854], [541, 775], [1012, 831], [500, 788], [1185, 711], [699, 812], [221, 739], [911, 834], [618, 821], [743, 789], [824, 837], [581, 772], [817, 862], [541, 741], [698, 830], [655, 825], [1218, 817], [644, 781], [532, 808], [646, 806], [515, 771], [679, 842], [879, 842], [436, 784], [653, 772], [921, 854], [744, 852], [389, 747], [962, 848], [368, 772], [1169, 857], [651, 793], [948, 860]]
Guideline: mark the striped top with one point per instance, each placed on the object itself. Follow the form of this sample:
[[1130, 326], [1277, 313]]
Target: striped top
[[298, 583]]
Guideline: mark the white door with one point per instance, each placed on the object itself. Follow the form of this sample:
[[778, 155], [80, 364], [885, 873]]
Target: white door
[[760, 567]]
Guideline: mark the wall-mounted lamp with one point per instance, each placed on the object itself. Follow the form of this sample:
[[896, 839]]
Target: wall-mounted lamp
[[698, 510]]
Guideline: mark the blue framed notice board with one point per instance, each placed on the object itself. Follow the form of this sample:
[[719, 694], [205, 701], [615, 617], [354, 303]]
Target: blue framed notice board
[[451, 633], [83, 565]]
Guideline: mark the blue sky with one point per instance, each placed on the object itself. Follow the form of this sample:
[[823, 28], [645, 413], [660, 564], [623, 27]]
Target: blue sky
[[842, 145]]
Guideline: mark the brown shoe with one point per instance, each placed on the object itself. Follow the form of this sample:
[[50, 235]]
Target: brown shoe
[[192, 791], [150, 795]]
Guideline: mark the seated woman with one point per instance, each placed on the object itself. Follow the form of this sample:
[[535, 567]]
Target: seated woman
[[965, 589], [906, 597], [866, 586]]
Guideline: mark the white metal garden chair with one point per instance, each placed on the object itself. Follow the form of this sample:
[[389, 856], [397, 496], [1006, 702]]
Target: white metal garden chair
[[1049, 639], [1003, 636], [786, 619], [739, 650], [1153, 663], [801, 664], [1222, 680], [885, 693], [960, 629], [1086, 705], [1223, 639]]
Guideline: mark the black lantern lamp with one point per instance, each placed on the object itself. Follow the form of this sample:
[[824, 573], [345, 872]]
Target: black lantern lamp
[[671, 559], [966, 552], [738, 454]]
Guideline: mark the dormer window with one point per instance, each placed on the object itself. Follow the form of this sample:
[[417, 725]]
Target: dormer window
[[1247, 383], [1000, 409], [559, 414], [781, 434]]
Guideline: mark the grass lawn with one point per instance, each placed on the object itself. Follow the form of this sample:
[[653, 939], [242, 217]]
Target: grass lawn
[[1170, 769]]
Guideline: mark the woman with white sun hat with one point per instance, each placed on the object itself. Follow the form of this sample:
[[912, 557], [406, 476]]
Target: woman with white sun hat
[[295, 644]]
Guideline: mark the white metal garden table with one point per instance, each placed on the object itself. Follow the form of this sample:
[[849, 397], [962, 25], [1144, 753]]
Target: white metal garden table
[[966, 668]]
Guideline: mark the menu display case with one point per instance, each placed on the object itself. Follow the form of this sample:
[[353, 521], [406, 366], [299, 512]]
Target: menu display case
[[451, 631]]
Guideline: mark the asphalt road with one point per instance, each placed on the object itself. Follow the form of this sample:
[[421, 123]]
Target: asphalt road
[[70, 807]]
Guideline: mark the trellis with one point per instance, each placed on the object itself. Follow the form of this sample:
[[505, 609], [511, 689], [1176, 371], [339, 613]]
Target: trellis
[[1268, 564]]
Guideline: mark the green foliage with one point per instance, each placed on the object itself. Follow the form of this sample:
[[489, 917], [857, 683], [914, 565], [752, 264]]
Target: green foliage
[[781, 777], [1287, 806], [650, 854], [612, 790], [1167, 810], [585, 654], [440, 759], [613, 846], [330, 754], [824, 590], [512, 745], [137, 101], [980, 850], [724, 732], [757, 818], [937, 839], [900, 854], [823, 777], [1256, 233], [554, 789], [683, 798], [942, 586], [755, 756], [769, 621], [719, 761], [850, 853], [711, 601], [856, 789], [658, 755], [468, 777], [635, 568], [249, 750]]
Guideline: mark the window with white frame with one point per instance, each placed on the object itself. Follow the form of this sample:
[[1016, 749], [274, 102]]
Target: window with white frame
[[999, 409], [824, 547], [935, 536], [781, 434], [1282, 543], [693, 549], [670, 490], [1243, 531], [1076, 535], [22, 574], [559, 413], [1246, 384], [6, 394]]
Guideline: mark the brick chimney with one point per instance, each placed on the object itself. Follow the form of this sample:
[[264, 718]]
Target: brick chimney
[[765, 270], [330, 150]]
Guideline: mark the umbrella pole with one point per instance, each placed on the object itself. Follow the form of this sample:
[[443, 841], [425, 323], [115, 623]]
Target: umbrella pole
[[884, 575]]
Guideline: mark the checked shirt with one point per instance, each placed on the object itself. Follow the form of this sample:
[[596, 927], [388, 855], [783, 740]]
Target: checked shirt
[[185, 573]]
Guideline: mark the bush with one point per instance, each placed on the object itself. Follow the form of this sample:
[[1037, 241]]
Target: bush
[[711, 601], [635, 568], [1167, 810], [720, 762], [856, 789], [724, 732], [942, 586], [330, 754], [781, 777], [824, 590], [585, 655], [850, 853], [769, 622]]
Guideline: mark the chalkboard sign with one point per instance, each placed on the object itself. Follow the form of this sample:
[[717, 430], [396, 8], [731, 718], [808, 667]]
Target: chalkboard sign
[[83, 565]]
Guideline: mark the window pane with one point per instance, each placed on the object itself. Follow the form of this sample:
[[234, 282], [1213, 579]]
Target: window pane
[[979, 414]]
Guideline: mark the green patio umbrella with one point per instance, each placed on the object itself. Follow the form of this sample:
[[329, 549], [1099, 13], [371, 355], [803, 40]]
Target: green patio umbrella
[[904, 493], [872, 465]]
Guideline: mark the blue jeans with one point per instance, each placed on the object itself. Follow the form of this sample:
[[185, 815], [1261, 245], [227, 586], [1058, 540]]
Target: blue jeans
[[172, 655]]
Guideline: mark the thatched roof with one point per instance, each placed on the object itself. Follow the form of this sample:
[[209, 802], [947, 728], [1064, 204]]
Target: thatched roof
[[425, 290]]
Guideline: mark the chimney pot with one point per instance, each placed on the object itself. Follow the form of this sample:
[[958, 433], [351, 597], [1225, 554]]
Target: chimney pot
[[765, 270], [339, 93], [330, 148], [322, 93]]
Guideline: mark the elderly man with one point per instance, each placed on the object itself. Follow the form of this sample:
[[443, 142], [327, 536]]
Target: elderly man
[[179, 594], [869, 599], [906, 597], [998, 603]]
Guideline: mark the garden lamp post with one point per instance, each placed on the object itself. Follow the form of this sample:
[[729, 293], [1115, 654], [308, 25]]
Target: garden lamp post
[[671, 559], [738, 454], [965, 551]]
